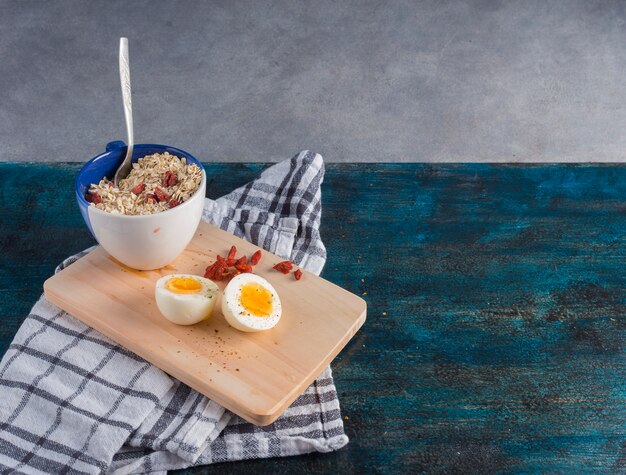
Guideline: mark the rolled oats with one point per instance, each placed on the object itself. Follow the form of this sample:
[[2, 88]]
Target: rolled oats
[[156, 183]]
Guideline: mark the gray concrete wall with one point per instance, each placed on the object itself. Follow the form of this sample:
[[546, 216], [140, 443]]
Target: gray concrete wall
[[354, 80]]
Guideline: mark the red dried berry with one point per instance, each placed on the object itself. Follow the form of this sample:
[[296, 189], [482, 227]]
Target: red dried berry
[[161, 195], [224, 268], [174, 203], [111, 184], [93, 198], [284, 267], [244, 268], [139, 188], [218, 272], [170, 179], [255, 258], [208, 273], [298, 274]]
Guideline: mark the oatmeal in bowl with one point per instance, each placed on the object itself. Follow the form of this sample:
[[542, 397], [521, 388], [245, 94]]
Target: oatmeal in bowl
[[150, 219], [156, 183]]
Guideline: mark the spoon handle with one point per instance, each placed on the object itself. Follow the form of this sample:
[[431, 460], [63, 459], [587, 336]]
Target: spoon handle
[[128, 105]]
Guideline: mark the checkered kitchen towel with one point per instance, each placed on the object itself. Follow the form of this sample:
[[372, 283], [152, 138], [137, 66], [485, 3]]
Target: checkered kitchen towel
[[72, 401]]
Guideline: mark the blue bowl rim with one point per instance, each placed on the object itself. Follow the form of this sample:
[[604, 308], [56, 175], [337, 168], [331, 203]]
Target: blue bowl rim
[[83, 202]]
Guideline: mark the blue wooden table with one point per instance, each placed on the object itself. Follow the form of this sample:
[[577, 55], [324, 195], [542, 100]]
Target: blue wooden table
[[496, 331]]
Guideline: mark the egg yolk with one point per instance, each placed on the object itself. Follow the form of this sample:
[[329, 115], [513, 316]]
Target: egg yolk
[[256, 299], [183, 285]]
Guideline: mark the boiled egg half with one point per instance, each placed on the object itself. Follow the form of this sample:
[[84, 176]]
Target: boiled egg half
[[185, 299], [250, 303]]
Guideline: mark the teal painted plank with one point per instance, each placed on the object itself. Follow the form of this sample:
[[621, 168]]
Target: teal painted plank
[[496, 328]]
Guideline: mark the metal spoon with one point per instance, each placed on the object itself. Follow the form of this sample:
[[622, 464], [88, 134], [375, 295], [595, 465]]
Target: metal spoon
[[124, 169]]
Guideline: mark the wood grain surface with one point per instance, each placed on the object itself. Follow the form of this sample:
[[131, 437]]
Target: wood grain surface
[[255, 375], [496, 331]]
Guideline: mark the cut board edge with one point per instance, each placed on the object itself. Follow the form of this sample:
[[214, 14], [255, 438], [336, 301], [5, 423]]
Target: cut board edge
[[281, 406]]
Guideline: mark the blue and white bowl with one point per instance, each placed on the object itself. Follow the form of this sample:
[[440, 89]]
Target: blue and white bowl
[[143, 242]]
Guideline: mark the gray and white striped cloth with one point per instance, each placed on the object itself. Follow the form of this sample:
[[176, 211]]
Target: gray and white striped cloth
[[73, 401]]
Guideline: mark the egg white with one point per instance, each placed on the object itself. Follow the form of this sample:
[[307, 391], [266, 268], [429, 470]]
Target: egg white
[[186, 309], [237, 315]]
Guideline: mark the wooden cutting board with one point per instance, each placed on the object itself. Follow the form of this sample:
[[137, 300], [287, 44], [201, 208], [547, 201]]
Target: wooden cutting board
[[255, 375]]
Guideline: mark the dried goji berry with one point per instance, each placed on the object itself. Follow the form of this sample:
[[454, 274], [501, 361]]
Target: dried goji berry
[[170, 179], [174, 203], [244, 267], [93, 198], [138, 188], [284, 267], [218, 272], [150, 198], [255, 258], [161, 195], [208, 273], [298, 274], [228, 267]]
